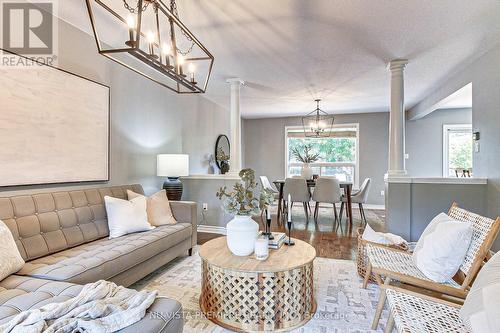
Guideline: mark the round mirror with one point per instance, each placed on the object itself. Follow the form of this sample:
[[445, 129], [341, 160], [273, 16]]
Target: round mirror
[[222, 153]]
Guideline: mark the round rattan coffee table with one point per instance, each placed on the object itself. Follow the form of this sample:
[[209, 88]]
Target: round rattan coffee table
[[244, 294]]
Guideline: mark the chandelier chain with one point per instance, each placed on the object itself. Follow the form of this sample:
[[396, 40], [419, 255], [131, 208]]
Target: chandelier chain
[[175, 12], [135, 10]]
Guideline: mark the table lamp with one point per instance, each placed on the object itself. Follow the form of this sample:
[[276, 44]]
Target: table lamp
[[172, 166]]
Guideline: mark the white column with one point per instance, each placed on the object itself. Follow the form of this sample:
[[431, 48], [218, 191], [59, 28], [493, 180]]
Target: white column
[[235, 151], [397, 119]]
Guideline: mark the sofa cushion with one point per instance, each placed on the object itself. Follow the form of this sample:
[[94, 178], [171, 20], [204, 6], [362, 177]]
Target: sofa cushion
[[105, 258], [158, 208], [18, 293], [46, 223], [10, 259], [126, 216]]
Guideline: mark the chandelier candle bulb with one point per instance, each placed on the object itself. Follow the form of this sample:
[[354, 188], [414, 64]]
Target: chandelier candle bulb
[[180, 62], [192, 69], [165, 50], [151, 40], [131, 27]]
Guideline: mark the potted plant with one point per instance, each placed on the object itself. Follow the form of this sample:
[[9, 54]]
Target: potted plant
[[242, 231], [306, 156]]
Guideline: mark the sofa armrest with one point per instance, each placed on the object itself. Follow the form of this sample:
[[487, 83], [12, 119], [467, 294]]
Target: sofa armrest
[[186, 212]]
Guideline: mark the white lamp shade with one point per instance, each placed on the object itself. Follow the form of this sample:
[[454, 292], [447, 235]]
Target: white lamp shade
[[172, 165]]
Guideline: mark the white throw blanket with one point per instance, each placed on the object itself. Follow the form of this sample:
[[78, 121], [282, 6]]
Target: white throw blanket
[[100, 307], [381, 238]]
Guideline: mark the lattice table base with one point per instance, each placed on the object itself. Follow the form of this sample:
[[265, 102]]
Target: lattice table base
[[248, 301]]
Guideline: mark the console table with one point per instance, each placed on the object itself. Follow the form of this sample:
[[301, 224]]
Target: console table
[[244, 294]]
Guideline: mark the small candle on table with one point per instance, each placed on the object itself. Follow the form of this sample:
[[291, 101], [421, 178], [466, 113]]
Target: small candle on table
[[261, 249]]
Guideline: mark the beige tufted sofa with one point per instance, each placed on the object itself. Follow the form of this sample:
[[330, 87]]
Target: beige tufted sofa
[[62, 236]]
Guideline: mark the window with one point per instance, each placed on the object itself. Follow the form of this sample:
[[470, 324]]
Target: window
[[338, 154], [457, 150]]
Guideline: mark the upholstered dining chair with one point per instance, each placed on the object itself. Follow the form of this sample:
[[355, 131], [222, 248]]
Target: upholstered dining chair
[[398, 265], [360, 197], [327, 190], [267, 185], [299, 192]]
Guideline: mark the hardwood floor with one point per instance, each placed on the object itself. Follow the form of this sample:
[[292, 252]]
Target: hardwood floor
[[329, 240]]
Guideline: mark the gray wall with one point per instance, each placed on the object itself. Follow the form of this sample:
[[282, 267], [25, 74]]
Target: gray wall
[[410, 207], [424, 141], [146, 118], [484, 74], [264, 147], [203, 122]]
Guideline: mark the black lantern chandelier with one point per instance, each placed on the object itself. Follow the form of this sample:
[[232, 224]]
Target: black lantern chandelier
[[148, 37], [318, 123]]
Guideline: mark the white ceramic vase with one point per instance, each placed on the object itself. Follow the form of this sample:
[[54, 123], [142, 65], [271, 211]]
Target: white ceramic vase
[[306, 172], [242, 232]]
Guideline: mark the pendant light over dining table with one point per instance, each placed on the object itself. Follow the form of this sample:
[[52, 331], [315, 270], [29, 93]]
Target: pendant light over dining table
[[318, 123], [148, 37]]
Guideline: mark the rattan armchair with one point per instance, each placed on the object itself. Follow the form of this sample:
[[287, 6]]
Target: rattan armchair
[[397, 265], [412, 312]]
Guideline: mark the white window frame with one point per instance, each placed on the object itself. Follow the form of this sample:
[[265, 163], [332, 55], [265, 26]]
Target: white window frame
[[446, 129], [323, 164]]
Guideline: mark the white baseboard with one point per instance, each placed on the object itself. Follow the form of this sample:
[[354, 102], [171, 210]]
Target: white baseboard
[[372, 207], [212, 229], [355, 206]]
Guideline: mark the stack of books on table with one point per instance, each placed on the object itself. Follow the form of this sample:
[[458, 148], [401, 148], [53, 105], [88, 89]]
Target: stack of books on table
[[279, 239]]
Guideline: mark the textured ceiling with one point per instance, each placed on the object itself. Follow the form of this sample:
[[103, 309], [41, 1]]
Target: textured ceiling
[[292, 51]]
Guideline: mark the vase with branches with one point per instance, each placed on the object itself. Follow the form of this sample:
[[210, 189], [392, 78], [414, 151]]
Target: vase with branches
[[243, 202], [306, 155]]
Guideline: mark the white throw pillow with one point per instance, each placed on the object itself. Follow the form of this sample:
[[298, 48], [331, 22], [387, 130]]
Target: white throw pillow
[[158, 208], [441, 249], [125, 217], [10, 258], [481, 309]]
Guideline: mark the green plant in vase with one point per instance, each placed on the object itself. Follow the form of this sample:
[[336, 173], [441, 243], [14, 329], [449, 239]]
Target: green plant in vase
[[306, 156], [243, 202]]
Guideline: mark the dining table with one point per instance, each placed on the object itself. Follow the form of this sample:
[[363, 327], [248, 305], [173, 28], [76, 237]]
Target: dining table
[[311, 183]]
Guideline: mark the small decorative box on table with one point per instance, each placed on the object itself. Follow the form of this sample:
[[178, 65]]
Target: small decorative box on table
[[245, 294]]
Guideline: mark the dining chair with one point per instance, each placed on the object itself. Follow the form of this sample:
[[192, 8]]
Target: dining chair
[[360, 197], [267, 185], [327, 190], [299, 192]]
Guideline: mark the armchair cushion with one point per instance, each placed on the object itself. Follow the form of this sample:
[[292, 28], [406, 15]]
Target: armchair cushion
[[442, 248], [481, 309]]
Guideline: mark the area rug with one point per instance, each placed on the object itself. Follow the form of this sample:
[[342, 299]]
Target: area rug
[[343, 305]]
